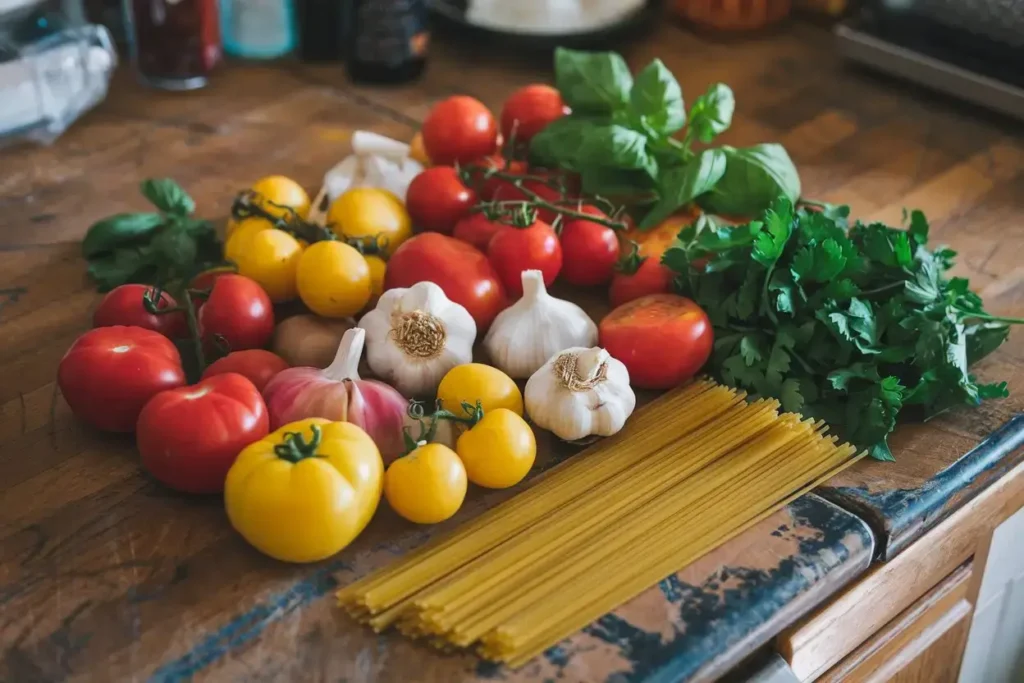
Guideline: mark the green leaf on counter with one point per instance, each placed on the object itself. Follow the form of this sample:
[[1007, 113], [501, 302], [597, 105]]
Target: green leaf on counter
[[592, 82], [711, 113], [657, 100], [614, 146], [558, 145], [168, 196], [683, 184], [754, 178], [119, 230]]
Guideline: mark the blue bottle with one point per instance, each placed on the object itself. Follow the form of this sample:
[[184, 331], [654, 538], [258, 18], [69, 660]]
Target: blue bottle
[[258, 29]]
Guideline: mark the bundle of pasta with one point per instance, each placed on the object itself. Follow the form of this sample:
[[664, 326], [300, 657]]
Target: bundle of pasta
[[689, 471]]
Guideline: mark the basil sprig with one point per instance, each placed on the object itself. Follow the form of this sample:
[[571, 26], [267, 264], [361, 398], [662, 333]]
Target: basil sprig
[[621, 139]]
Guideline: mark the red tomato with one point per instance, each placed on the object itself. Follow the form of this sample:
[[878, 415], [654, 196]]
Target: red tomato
[[477, 229], [462, 271], [517, 249], [488, 189], [256, 365], [124, 306], [649, 278], [662, 339], [206, 278], [529, 110], [459, 129], [590, 250], [437, 199], [109, 373], [240, 311], [506, 191], [189, 437]]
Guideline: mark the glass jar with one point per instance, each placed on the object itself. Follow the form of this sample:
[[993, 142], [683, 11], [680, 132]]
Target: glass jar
[[258, 29], [175, 44]]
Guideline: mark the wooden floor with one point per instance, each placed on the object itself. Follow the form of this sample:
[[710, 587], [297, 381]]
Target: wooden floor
[[106, 576]]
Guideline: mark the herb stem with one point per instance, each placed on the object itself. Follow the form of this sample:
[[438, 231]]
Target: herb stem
[[993, 318], [193, 331], [879, 290]]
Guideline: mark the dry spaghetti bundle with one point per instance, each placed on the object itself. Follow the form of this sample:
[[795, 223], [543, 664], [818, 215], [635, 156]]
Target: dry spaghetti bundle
[[690, 471]]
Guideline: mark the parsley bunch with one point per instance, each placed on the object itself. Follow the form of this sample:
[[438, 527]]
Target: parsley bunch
[[850, 324]]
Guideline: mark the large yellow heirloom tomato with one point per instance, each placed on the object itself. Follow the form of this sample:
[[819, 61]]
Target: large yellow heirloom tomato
[[306, 491], [333, 279], [428, 485], [474, 382], [284, 192], [498, 451], [271, 258], [365, 212]]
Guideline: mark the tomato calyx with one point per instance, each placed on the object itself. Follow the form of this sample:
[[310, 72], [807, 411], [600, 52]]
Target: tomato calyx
[[295, 447], [631, 262]]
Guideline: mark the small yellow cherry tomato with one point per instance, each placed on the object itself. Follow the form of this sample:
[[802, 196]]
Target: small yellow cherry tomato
[[238, 241], [377, 270], [272, 260], [428, 485], [417, 151], [474, 382], [305, 491], [368, 212], [499, 450], [282, 192], [333, 279]]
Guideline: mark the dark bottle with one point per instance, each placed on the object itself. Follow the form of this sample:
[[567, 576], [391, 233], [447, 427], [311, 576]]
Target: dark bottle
[[175, 43], [389, 40], [323, 30]]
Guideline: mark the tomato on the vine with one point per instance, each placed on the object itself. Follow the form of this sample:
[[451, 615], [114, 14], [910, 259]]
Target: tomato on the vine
[[589, 250], [109, 374], [529, 110], [534, 247], [279, 193], [663, 339], [477, 229], [437, 199], [239, 311], [189, 437], [462, 271], [256, 365], [124, 305], [490, 188], [271, 258], [426, 486], [459, 129], [371, 213], [638, 276], [334, 279]]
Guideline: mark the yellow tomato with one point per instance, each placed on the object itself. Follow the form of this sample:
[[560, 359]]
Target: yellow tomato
[[271, 258], [498, 451], [417, 151], [377, 270], [369, 212], [306, 491], [333, 279], [284, 192], [474, 382], [238, 241], [428, 485]]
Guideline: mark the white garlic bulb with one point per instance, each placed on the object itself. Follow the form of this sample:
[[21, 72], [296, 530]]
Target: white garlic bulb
[[579, 393], [376, 161], [415, 335], [535, 328]]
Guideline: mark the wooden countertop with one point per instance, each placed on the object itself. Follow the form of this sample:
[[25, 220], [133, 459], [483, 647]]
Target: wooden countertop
[[104, 575]]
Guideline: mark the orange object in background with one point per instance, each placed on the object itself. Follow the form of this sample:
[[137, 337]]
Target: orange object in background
[[732, 15]]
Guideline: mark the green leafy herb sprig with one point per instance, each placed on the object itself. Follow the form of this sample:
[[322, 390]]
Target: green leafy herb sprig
[[848, 324], [621, 139], [164, 247]]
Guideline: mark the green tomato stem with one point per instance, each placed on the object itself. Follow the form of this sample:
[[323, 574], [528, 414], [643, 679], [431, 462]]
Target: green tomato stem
[[295, 447]]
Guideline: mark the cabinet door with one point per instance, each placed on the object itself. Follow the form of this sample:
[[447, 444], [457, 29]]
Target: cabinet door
[[995, 648]]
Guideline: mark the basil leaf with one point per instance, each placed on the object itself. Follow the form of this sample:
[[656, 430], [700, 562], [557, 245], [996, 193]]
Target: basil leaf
[[683, 184], [657, 100], [116, 231], [167, 195], [120, 267], [754, 178], [599, 180], [616, 147], [558, 145], [594, 82], [176, 248], [711, 113]]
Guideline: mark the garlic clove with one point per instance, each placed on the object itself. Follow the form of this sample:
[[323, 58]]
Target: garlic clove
[[365, 143], [342, 177]]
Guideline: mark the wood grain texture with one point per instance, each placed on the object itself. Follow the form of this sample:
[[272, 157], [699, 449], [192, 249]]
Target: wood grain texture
[[104, 575], [830, 633]]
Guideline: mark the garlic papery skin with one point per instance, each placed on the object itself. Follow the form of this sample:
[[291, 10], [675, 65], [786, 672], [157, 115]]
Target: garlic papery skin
[[337, 393], [415, 335], [580, 392], [376, 161], [524, 336]]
